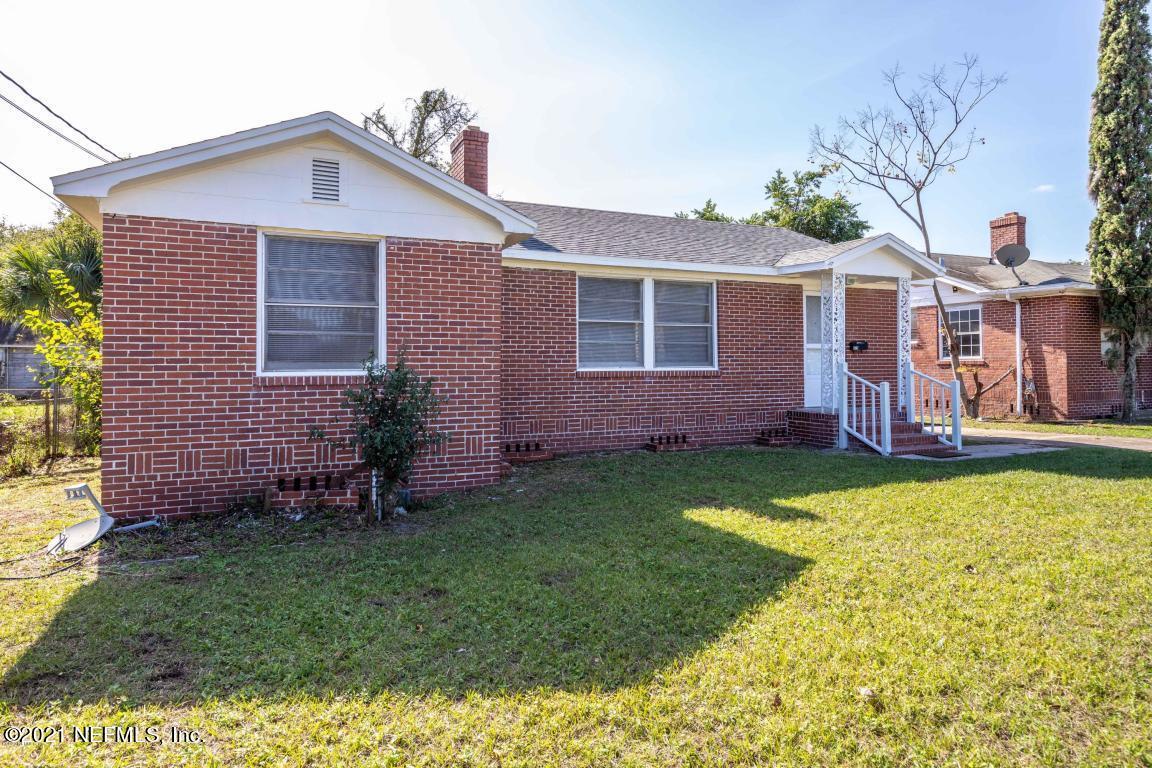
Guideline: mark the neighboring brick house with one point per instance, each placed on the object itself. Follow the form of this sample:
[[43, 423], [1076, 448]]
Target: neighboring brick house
[[247, 277], [1051, 321]]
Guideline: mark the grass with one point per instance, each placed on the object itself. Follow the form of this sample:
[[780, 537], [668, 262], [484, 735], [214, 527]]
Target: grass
[[729, 607], [1101, 428]]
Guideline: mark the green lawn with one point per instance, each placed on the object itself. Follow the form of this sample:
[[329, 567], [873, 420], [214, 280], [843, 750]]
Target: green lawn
[[731, 607], [1102, 428]]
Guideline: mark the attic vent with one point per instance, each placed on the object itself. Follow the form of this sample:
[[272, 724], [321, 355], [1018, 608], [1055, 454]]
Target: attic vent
[[325, 179]]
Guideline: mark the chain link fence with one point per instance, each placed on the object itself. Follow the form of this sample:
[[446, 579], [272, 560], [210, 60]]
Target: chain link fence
[[37, 430]]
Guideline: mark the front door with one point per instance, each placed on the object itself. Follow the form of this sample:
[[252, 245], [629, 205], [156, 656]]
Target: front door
[[813, 349]]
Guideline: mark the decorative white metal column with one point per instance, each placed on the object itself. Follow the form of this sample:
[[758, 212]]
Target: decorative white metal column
[[832, 336], [903, 338]]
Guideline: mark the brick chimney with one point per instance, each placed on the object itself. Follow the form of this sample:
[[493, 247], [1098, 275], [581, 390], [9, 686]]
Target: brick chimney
[[1007, 230], [470, 158]]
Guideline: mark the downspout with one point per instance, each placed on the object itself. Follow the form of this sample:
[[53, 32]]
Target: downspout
[[1019, 358]]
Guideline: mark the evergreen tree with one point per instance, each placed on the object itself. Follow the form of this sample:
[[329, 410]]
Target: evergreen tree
[[1120, 164]]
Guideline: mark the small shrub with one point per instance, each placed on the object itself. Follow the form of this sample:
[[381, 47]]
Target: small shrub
[[70, 345], [391, 422]]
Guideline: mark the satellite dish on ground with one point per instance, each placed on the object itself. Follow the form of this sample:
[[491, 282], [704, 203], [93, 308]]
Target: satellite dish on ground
[[1012, 256]]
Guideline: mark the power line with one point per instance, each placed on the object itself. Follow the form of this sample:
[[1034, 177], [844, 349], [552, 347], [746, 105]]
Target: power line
[[41, 122], [58, 115], [36, 187]]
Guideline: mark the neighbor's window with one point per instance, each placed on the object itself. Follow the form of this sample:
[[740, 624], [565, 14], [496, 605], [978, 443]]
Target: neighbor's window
[[966, 326], [611, 323], [645, 323], [321, 304]]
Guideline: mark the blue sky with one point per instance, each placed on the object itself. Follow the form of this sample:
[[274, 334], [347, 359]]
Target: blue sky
[[640, 106]]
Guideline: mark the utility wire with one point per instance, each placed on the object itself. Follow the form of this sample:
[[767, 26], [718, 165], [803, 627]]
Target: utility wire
[[57, 114], [66, 138], [32, 184]]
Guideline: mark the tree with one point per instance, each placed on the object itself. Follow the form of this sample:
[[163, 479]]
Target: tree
[[392, 415], [71, 349], [797, 205], [69, 245], [1120, 164], [430, 123], [707, 213], [902, 151]]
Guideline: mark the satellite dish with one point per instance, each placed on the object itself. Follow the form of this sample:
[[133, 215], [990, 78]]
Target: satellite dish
[[76, 537], [1012, 256]]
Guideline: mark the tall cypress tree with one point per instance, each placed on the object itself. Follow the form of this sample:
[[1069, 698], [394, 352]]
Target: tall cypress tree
[[1120, 164]]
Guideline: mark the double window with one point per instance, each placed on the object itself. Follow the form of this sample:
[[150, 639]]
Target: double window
[[965, 324], [321, 304], [645, 323]]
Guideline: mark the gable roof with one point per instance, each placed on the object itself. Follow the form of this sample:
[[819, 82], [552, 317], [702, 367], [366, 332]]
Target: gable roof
[[978, 273], [81, 188], [638, 239]]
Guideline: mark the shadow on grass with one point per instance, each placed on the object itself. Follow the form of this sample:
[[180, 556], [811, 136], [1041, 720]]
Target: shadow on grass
[[575, 575]]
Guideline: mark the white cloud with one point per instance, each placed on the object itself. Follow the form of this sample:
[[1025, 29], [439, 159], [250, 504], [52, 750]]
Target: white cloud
[[1044, 188]]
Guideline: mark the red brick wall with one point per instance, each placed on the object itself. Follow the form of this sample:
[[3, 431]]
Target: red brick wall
[[1061, 354], [760, 344], [188, 426]]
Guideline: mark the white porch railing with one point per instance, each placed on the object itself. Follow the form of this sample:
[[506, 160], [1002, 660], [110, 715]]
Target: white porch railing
[[865, 412], [936, 405]]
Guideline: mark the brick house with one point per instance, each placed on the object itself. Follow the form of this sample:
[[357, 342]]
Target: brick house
[[248, 276], [1044, 321]]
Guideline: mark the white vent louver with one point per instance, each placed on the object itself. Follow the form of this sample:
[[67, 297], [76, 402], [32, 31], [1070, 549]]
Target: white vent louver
[[325, 179]]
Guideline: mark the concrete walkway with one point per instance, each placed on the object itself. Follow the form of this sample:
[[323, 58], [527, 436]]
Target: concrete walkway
[[990, 450], [1060, 439]]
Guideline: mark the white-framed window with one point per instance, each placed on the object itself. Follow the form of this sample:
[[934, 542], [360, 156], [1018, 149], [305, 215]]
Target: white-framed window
[[321, 304], [966, 325], [645, 323]]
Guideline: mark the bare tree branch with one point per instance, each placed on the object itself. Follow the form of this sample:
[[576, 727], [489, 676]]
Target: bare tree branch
[[902, 152], [430, 123]]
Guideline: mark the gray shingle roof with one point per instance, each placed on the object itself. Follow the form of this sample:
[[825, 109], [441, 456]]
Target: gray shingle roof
[[822, 251], [591, 232], [977, 270]]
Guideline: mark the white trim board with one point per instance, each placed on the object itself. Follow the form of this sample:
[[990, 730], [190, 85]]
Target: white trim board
[[517, 256]]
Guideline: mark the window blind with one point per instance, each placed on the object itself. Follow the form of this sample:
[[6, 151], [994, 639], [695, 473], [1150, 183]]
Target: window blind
[[611, 322], [683, 324], [321, 307]]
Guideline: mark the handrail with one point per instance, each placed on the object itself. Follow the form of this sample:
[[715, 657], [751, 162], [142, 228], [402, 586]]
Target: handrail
[[926, 395], [860, 402]]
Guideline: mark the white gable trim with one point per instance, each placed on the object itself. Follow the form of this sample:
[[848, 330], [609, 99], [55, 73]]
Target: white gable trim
[[921, 266], [97, 182]]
